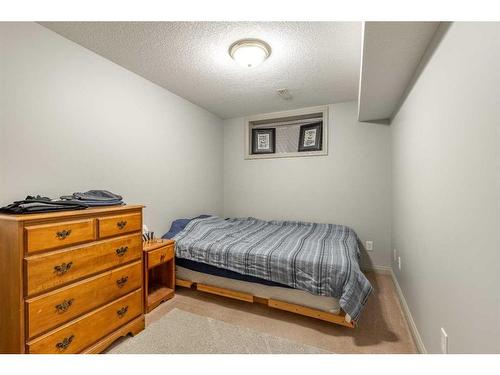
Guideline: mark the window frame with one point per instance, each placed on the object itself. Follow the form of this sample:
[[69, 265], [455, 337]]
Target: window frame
[[271, 118]]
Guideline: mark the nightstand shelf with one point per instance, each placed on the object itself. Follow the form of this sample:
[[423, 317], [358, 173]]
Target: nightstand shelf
[[159, 273], [159, 293]]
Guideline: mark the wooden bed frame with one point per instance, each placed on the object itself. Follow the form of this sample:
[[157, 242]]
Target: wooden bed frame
[[276, 304]]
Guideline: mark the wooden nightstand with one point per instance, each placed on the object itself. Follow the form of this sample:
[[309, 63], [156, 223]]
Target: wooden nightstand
[[159, 273]]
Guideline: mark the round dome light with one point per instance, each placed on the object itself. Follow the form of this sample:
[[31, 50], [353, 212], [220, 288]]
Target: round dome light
[[249, 52]]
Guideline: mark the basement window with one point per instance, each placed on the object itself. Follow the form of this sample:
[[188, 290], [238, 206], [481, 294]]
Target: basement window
[[296, 133]]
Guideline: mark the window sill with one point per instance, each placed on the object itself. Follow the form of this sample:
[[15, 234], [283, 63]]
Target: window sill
[[287, 155]]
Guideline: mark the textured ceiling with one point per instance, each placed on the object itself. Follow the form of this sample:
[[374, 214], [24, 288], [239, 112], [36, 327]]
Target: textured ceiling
[[318, 62]]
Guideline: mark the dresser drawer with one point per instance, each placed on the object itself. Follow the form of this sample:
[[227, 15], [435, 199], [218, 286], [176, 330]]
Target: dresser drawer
[[46, 271], [114, 225], [50, 236], [60, 306], [161, 255], [90, 328]]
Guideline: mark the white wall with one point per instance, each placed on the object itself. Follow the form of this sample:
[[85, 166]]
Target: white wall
[[446, 192], [72, 121], [350, 186]]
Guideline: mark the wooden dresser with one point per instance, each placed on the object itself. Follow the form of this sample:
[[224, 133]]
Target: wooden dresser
[[70, 281]]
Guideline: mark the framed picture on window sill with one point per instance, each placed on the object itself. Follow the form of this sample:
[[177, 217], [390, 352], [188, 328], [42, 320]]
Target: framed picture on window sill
[[263, 141], [310, 137]]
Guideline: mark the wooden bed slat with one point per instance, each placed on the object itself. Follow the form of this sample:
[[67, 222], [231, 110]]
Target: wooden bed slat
[[224, 292], [184, 283], [307, 311]]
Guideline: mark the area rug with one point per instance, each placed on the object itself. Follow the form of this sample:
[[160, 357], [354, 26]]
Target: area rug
[[181, 332]]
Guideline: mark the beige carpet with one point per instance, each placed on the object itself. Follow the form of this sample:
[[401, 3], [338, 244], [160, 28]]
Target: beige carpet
[[180, 332], [382, 328]]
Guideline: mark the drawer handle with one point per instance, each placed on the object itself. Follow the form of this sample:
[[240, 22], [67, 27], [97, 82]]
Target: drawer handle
[[121, 224], [63, 268], [65, 342], [121, 251], [64, 305], [121, 313], [63, 234], [121, 282], [162, 257]]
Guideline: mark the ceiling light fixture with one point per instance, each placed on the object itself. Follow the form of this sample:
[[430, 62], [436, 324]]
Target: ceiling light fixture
[[249, 52]]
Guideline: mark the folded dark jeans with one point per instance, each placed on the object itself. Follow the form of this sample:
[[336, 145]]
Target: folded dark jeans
[[96, 195], [95, 198], [102, 203], [41, 205]]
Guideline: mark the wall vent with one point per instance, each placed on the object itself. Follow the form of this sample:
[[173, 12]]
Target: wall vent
[[284, 94]]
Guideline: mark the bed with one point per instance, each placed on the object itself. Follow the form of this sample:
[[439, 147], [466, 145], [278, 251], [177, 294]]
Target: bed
[[307, 268]]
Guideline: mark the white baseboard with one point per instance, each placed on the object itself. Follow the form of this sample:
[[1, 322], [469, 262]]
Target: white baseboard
[[384, 270], [409, 318]]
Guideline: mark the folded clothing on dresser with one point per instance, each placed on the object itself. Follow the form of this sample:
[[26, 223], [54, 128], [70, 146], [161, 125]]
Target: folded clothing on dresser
[[95, 198], [37, 204], [76, 201]]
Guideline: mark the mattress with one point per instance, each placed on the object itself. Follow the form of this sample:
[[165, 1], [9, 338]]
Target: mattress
[[280, 293], [216, 271]]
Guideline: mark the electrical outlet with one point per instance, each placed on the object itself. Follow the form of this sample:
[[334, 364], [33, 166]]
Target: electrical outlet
[[399, 263], [444, 341], [369, 245], [394, 256]]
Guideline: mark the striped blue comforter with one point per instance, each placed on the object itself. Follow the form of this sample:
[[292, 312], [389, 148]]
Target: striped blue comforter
[[319, 258]]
